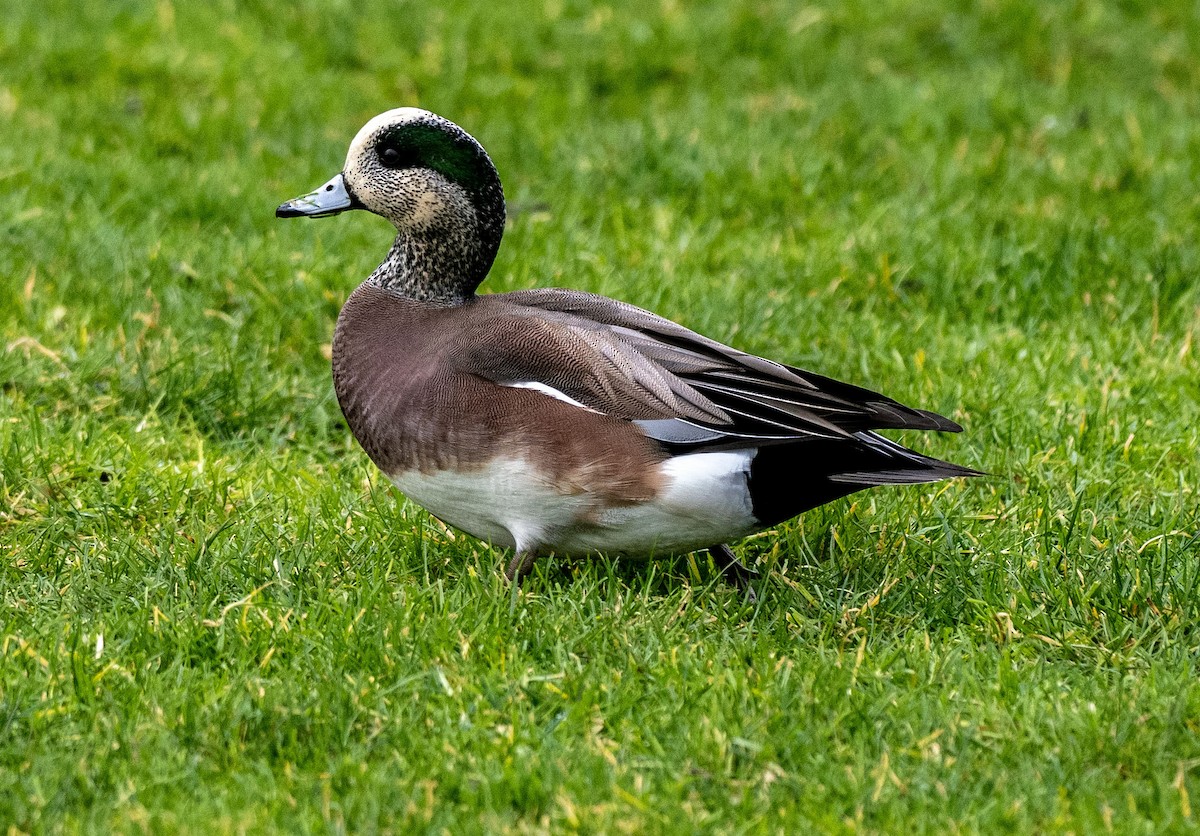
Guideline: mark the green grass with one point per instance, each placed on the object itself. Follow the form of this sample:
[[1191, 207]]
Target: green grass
[[216, 616]]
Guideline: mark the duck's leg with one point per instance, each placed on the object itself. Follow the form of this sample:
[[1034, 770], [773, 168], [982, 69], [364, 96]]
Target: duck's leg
[[733, 570], [519, 566]]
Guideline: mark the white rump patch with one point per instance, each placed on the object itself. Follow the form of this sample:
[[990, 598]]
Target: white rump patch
[[705, 501]]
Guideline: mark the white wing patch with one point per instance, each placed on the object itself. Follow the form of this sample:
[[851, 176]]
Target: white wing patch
[[548, 390]]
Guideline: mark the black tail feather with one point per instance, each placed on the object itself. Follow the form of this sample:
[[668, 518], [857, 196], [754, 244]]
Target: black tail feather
[[787, 480]]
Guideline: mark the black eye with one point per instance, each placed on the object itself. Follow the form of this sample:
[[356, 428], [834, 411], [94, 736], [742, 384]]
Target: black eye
[[390, 156]]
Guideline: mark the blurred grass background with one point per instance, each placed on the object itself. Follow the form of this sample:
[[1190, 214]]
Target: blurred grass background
[[216, 617]]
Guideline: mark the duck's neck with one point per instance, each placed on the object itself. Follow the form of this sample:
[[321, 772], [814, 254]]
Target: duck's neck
[[439, 268], [444, 257]]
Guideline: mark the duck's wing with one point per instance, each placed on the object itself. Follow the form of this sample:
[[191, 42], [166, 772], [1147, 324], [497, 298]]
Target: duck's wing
[[683, 389]]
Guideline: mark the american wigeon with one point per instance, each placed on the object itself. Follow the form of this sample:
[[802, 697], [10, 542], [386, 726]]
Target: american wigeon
[[556, 421]]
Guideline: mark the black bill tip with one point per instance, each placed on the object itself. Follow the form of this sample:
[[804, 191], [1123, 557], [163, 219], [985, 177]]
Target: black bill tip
[[287, 210]]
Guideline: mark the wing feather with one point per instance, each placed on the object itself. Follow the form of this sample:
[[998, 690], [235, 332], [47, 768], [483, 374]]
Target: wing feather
[[682, 388]]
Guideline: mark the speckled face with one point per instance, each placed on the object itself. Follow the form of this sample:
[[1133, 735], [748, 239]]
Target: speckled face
[[436, 184], [415, 168]]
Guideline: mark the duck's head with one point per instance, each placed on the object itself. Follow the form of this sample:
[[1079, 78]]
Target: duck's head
[[433, 181]]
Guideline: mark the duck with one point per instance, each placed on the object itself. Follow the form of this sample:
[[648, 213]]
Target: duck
[[555, 422]]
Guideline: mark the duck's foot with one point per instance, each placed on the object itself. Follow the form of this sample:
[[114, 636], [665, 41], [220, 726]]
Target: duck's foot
[[734, 571], [520, 566]]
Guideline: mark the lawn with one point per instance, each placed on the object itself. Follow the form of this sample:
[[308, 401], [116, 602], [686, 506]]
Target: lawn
[[217, 617]]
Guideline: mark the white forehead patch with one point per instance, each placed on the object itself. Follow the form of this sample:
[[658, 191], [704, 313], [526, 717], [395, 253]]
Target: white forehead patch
[[396, 116]]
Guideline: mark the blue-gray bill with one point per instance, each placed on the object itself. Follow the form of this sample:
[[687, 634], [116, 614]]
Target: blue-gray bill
[[330, 199]]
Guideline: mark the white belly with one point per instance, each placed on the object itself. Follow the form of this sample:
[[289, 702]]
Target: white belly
[[704, 501]]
